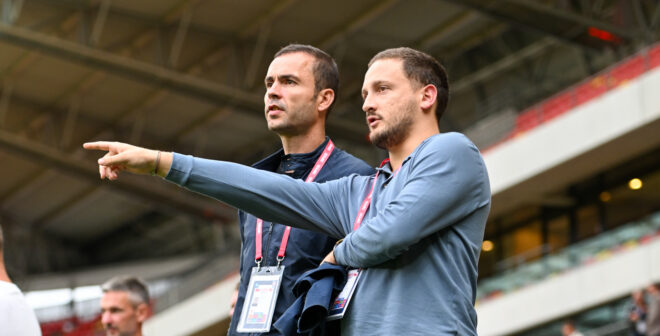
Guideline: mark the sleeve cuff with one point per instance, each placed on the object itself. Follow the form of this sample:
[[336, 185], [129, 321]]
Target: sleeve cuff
[[339, 251], [180, 169]]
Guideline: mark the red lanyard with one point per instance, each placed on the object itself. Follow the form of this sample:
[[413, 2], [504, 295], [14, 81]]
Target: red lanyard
[[320, 162], [367, 200]]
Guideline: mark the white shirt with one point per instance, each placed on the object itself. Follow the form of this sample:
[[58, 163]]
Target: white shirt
[[16, 316]]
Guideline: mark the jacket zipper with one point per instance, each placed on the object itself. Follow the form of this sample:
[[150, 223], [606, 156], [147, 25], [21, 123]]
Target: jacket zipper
[[265, 251]]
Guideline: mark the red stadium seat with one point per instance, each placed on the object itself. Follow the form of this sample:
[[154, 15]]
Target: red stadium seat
[[654, 57], [527, 120], [557, 105], [73, 327], [626, 71], [590, 89]]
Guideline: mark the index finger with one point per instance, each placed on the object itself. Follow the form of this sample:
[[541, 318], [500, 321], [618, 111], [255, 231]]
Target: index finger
[[98, 145]]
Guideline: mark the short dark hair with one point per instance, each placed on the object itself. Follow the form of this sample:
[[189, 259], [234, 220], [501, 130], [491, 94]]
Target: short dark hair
[[135, 287], [326, 73], [421, 68]]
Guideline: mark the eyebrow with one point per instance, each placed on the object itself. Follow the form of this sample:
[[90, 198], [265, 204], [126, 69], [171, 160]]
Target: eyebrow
[[380, 82], [282, 77], [375, 84]]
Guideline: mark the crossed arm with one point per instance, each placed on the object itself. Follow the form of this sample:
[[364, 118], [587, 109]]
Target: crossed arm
[[444, 183]]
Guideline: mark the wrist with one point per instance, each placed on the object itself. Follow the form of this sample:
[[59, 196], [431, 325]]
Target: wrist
[[164, 164], [334, 251], [154, 171]]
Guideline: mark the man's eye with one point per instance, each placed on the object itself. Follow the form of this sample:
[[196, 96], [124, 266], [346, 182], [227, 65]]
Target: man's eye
[[269, 84], [290, 82]]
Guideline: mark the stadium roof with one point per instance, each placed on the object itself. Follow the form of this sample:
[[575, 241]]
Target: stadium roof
[[186, 75]]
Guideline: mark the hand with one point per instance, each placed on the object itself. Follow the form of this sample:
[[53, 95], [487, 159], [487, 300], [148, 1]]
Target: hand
[[232, 307], [330, 258], [124, 157]]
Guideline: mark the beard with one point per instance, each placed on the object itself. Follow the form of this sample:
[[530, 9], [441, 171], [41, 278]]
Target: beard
[[296, 119], [396, 130]]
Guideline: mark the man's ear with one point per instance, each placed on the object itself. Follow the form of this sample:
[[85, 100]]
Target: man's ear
[[429, 95], [142, 312], [324, 99]]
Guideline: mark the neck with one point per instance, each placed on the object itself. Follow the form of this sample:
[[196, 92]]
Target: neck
[[3, 272], [416, 136], [303, 143]]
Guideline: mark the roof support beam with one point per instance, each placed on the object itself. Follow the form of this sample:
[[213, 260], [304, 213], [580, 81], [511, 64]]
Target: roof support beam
[[5, 98], [488, 10], [575, 18], [79, 89], [153, 74], [99, 23], [446, 28], [11, 9], [257, 56], [655, 19], [180, 36], [356, 24], [146, 72], [503, 64], [167, 201], [70, 123]]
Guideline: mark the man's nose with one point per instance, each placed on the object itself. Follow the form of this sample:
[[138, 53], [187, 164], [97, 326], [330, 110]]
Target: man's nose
[[368, 105], [274, 91], [105, 318]]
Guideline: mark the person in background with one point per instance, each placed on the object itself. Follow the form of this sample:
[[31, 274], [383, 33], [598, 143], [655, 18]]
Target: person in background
[[124, 306], [653, 311], [16, 317], [637, 314], [569, 329]]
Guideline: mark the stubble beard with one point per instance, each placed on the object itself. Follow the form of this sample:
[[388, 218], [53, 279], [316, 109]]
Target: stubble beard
[[295, 121], [397, 132]]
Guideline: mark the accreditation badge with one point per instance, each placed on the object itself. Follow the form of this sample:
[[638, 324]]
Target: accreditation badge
[[259, 305], [340, 303]]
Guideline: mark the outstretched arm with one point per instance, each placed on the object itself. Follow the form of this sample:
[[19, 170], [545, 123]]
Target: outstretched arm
[[267, 195], [125, 157]]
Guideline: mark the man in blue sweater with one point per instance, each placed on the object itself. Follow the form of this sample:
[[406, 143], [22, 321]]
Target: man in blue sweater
[[414, 229]]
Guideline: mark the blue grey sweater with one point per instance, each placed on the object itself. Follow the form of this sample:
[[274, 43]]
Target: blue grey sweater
[[419, 242]]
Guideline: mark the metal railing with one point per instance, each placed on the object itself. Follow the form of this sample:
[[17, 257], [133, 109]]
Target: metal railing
[[590, 250], [215, 269], [618, 328]]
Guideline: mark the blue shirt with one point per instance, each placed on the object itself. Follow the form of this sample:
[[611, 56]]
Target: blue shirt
[[419, 242], [305, 249]]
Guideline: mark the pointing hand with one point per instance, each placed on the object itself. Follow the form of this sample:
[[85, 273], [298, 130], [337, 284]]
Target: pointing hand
[[124, 157]]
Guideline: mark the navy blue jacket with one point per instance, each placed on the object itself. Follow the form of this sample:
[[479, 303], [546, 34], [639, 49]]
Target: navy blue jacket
[[315, 290], [305, 249]]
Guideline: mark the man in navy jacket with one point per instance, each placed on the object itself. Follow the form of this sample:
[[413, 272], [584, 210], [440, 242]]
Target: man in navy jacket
[[301, 85]]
